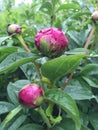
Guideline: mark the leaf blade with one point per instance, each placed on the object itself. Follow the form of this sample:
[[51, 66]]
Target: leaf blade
[[17, 123], [5, 51], [60, 66], [90, 69], [69, 6], [65, 102], [10, 116], [31, 127], [15, 60], [13, 89], [5, 107]]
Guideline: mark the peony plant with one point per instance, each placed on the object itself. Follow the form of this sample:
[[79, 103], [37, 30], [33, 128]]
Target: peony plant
[[49, 99], [42, 91]]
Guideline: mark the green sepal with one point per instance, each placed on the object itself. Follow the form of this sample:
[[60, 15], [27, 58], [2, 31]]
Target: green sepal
[[53, 119]]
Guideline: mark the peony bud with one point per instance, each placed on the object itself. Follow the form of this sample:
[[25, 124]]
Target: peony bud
[[31, 95], [95, 15], [51, 42], [14, 28]]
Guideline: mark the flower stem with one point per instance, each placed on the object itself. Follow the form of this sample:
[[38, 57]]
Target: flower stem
[[67, 81], [38, 70], [85, 46], [89, 37], [23, 43], [43, 115], [28, 50]]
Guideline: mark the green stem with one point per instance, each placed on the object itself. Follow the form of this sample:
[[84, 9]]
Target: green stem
[[23, 43], [28, 50], [38, 70], [46, 120], [78, 126], [48, 82]]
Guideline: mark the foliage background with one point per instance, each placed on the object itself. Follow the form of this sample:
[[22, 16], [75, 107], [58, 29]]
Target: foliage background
[[74, 18]]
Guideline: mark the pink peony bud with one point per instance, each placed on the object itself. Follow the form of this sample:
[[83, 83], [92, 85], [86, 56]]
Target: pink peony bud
[[51, 42], [31, 95], [14, 28], [95, 15]]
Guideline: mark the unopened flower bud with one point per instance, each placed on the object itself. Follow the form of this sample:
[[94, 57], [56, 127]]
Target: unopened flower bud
[[95, 15], [31, 95], [14, 28], [51, 42]]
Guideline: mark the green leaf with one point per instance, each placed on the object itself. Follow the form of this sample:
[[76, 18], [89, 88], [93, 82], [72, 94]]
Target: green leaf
[[2, 39], [15, 60], [5, 51], [5, 107], [8, 49], [67, 124], [18, 122], [10, 116], [76, 51], [46, 8], [94, 120], [79, 91], [65, 102], [96, 97], [68, 7], [79, 37], [60, 66], [83, 115], [31, 127], [79, 14], [54, 3], [84, 128], [49, 112], [29, 71], [57, 128], [91, 82], [13, 89], [90, 69]]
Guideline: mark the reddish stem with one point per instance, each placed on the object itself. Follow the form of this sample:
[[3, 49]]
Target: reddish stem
[[89, 37], [85, 46], [67, 81]]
